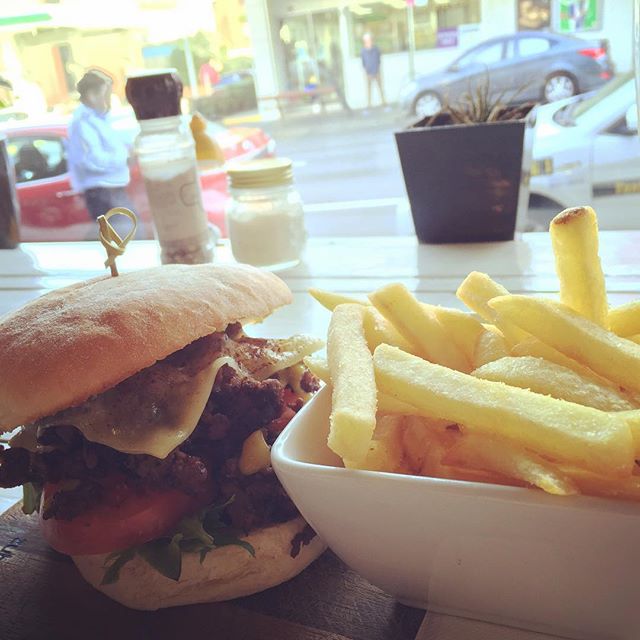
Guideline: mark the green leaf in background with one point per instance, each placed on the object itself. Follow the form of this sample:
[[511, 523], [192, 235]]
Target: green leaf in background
[[31, 494]]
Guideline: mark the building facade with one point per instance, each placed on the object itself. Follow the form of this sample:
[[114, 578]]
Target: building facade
[[47, 46], [297, 42]]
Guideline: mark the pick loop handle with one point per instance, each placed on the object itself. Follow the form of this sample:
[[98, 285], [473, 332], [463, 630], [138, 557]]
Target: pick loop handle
[[113, 244]]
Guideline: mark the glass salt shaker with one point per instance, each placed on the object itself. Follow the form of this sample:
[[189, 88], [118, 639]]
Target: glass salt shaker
[[265, 216], [166, 154]]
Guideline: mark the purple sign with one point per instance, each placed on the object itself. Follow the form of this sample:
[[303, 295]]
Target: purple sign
[[447, 37]]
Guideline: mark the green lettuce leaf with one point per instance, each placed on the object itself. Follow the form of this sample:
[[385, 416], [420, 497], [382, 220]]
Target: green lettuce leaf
[[165, 556], [31, 493], [199, 533], [117, 560]]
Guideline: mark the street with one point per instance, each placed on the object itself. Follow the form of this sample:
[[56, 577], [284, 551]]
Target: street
[[347, 170]]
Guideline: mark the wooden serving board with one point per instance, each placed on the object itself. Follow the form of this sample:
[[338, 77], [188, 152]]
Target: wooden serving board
[[43, 597]]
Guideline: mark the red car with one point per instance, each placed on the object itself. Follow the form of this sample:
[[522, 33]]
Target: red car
[[51, 210]]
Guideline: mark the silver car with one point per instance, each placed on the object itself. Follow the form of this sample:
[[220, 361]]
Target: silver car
[[527, 66]]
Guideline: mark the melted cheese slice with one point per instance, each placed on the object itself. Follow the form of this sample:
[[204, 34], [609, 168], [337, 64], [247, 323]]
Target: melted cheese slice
[[264, 358], [157, 409], [152, 413]]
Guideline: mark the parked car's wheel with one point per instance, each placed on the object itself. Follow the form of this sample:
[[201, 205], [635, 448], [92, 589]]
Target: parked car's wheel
[[427, 104], [559, 86]]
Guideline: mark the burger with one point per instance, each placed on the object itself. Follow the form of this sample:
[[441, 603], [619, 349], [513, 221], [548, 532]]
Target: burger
[[145, 417]]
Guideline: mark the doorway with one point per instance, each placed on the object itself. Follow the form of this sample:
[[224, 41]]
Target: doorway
[[312, 53]]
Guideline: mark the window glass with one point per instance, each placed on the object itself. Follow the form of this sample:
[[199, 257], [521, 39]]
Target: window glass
[[489, 54], [387, 22], [532, 46], [284, 77], [37, 158]]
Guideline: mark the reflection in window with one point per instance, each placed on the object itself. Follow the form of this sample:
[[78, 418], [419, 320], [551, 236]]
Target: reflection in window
[[387, 22], [37, 158]]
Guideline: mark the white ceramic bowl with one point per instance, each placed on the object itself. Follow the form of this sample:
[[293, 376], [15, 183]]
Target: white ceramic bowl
[[514, 556]]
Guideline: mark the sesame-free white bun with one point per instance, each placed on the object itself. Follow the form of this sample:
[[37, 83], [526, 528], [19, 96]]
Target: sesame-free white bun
[[226, 573], [76, 342]]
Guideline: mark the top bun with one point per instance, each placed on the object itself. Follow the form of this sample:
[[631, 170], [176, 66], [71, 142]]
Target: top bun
[[76, 342]]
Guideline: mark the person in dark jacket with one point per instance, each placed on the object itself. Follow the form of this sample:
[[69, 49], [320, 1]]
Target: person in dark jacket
[[371, 58]]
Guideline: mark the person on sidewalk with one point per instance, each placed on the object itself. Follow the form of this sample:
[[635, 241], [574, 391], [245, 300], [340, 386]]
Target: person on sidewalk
[[208, 76], [97, 157], [371, 58]]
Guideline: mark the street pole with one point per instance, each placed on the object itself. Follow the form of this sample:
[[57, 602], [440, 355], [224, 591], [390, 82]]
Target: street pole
[[191, 69], [412, 40]]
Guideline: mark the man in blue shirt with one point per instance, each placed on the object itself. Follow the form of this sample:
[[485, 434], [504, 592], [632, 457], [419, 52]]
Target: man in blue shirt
[[97, 157], [370, 56]]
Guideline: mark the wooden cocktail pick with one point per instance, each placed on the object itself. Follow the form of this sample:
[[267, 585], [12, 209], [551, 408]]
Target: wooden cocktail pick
[[115, 245]]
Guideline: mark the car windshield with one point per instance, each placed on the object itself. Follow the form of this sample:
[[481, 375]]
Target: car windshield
[[568, 114]]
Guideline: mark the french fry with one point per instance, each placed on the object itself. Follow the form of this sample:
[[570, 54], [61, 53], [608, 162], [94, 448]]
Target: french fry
[[592, 484], [386, 404], [330, 300], [625, 319], [564, 431], [425, 441], [574, 237], [462, 326], [386, 452], [491, 346], [550, 379], [635, 338], [475, 291], [633, 420], [554, 323], [465, 474], [537, 349], [376, 328], [418, 325], [353, 413], [498, 456]]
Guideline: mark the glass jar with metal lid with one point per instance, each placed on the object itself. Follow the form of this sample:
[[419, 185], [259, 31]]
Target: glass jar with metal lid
[[265, 217], [166, 154]]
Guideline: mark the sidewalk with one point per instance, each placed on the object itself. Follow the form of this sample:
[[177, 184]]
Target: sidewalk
[[305, 115]]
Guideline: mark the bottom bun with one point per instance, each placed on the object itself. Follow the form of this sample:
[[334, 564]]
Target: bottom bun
[[226, 573]]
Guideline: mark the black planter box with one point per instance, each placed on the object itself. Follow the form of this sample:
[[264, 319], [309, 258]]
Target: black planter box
[[464, 181]]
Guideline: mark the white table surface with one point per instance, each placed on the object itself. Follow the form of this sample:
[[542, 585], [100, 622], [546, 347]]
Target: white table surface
[[351, 266]]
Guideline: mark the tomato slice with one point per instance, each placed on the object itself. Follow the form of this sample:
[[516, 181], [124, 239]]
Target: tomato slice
[[133, 517]]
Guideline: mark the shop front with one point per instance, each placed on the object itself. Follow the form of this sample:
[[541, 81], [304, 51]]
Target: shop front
[[302, 43], [313, 42]]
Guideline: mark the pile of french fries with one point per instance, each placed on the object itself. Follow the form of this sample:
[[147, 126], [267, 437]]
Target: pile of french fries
[[525, 391]]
